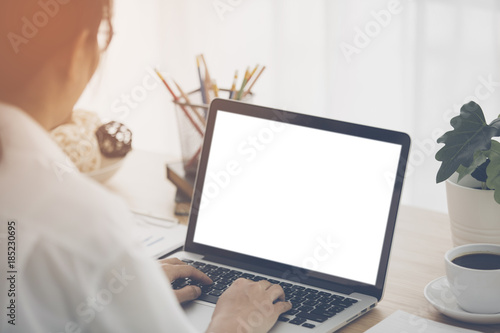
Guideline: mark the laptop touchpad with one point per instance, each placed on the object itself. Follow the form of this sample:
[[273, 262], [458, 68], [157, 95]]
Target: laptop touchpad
[[199, 313]]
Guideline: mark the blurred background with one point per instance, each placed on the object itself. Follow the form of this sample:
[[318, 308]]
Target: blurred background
[[406, 65]]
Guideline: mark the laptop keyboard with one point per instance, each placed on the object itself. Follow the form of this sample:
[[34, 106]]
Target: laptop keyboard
[[310, 306]]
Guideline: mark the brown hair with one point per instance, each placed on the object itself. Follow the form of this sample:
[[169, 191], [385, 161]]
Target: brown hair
[[32, 31]]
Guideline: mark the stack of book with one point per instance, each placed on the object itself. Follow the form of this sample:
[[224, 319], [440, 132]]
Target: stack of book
[[185, 187]]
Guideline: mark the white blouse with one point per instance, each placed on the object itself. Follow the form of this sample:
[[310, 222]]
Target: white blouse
[[71, 264]]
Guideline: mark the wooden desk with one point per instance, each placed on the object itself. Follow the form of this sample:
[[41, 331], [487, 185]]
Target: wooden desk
[[422, 237]]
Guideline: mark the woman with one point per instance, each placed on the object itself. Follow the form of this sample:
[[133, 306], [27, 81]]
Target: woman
[[75, 267]]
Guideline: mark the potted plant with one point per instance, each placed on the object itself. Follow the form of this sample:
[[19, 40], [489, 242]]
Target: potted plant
[[471, 167]]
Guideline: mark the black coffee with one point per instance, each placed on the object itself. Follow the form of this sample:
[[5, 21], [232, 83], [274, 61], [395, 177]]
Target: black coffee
[[487, 261]]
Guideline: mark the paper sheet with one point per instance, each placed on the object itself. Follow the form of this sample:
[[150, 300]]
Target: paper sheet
[[159, 236], [404, 322]]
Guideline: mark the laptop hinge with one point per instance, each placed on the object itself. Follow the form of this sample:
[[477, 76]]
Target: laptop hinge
[[293, 275]]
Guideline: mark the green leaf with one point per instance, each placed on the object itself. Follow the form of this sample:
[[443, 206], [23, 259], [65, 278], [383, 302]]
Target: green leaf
[[470, 133], [493, 169], [496, 124], [479, 159], [480, 173]]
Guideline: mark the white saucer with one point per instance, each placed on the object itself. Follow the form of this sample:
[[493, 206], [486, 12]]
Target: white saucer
[[438, 293]]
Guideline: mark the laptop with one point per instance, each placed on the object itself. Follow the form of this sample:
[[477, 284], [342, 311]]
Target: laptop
[[306, 202]]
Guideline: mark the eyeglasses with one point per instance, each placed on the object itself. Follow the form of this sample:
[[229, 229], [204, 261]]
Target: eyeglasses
[[105, 35]]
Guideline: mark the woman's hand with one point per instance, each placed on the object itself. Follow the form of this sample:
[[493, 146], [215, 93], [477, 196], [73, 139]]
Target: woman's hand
[[248, 306], [176, 269]]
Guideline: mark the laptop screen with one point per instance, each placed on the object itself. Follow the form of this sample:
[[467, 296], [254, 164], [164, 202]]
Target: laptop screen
[[302, 196]]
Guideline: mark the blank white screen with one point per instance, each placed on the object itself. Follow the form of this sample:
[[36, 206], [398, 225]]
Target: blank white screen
[[300, 196]]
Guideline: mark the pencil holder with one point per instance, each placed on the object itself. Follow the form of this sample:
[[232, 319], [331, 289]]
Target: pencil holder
[[191, 120]]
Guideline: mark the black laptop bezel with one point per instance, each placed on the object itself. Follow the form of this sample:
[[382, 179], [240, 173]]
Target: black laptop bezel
[[277, 269]]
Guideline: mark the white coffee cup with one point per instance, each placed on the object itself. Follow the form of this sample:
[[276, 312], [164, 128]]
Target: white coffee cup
[[476, 290]]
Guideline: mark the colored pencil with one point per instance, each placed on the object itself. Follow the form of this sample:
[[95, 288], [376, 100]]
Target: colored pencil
[[215, 88], [202, 84], [186, 98], [208, 79], [251, 85], [198, 129], [245, 80], [208, 86], [253, 72], [233, 87], [207, 74]]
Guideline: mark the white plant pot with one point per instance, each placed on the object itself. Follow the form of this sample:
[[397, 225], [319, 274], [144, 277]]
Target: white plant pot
[[474, 213]]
